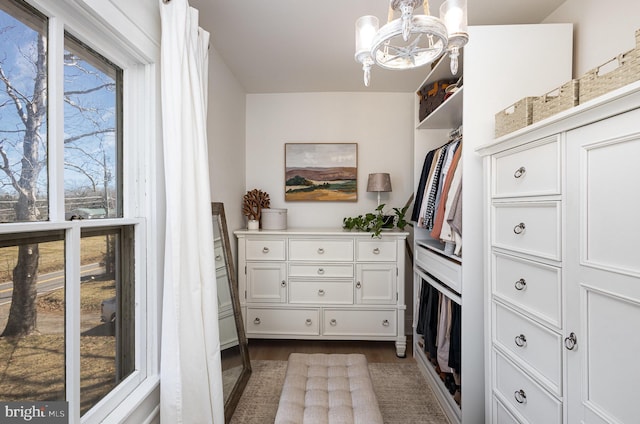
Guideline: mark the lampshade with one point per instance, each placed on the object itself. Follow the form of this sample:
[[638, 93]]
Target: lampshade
[[379, 182]]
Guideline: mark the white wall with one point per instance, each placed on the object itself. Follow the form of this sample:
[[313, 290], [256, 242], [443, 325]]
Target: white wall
[[380, 123], [602, 30], [226, 134]]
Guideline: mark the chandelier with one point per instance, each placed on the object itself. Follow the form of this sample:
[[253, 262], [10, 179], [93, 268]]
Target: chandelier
[[411, 41]]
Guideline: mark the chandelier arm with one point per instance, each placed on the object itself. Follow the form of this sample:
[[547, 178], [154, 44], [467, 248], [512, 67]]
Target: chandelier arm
[[425, 6]]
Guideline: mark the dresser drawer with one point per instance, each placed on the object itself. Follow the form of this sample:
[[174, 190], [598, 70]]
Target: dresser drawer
[[375, 250], [359, 323], [524, 395], [265, 249], [528, 171], [284, 322], [501, 414], [528, 227], [321, 270], [534, 287], [321, 250], [334, 292], [445, 270], [537, 347]]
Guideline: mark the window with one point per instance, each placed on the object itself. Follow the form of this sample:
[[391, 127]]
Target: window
[[72, 279]]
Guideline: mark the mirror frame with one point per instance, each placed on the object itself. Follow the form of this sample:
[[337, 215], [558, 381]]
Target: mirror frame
[[217, 209]]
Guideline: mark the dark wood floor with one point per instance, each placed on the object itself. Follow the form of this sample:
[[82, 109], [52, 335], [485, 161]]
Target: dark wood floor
[[271, 349]]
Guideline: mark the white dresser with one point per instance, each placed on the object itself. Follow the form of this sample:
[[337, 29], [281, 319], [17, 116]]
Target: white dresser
[[322, 284], [563, 306]]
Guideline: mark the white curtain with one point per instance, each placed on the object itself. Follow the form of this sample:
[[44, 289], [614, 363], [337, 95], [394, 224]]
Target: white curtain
[[191, 376]]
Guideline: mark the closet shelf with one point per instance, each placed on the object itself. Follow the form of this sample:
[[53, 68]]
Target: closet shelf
[[448, 115], [438, 247]]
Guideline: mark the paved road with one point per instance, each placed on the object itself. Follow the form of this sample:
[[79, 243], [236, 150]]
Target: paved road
[[49, 282]]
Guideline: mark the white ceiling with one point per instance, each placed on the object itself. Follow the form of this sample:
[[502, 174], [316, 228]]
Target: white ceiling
[[279, 46]]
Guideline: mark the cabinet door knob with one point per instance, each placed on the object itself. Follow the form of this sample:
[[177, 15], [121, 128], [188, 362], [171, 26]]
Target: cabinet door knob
[[265, 250], [519, 229], [376, 251], [358, 285], [321, 292], [320, 251], [256, 321], [571, 341], [520, 284], [519, 172], [521, 340], [320, 271], [520, 395], [283, 283], [308, 322], [385, 323], [218, 257], [333, 322]]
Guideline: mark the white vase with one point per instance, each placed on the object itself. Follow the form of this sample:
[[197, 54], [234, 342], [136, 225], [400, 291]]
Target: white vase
[[253, 224]]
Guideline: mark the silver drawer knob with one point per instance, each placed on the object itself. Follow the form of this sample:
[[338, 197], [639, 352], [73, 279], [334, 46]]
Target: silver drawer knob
[[283, 283], [520, 395], [320, 271], [521, 340], [519, 229], [333, 322], [308, 322], [320, 292], [358, 285], [256, 321], [519, 172], [385, 323], [571, 341], [218, 257], [320, 251], [265, 250], [376, 251], [520, 284]]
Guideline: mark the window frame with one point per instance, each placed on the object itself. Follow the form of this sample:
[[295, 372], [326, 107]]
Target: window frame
[[136, 54]]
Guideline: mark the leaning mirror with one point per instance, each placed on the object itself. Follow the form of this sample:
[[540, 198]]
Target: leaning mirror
[[236, 366]]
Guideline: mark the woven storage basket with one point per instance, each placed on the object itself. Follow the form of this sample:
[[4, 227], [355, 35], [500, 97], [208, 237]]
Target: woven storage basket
[[562, 98], [516, 116], [594, 84]]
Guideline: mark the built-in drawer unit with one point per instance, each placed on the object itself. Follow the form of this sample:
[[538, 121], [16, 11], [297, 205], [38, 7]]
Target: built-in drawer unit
[[527, 398], [375, 251], [530, 170], [261, 249], [359, 322], [323, 292], [536, 347], [321, 270], [321, 250], [447, 271], [283, 321], [533, 287], [528, 227]]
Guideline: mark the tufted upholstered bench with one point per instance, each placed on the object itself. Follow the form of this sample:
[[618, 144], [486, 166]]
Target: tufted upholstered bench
[[328, 389]]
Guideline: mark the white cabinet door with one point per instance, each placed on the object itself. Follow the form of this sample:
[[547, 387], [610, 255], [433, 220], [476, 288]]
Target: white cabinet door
[[266, 282], [376, 283], [603, 270]]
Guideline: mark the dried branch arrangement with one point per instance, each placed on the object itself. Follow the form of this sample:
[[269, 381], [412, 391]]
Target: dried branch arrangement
[[253, 203]]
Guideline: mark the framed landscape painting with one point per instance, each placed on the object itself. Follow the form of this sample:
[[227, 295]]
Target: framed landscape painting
[[321, 171]]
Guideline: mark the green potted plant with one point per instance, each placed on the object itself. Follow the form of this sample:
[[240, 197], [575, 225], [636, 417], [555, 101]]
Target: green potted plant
[[374, 222]]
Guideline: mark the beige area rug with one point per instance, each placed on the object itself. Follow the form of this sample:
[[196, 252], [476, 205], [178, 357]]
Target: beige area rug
[[403, 394]]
